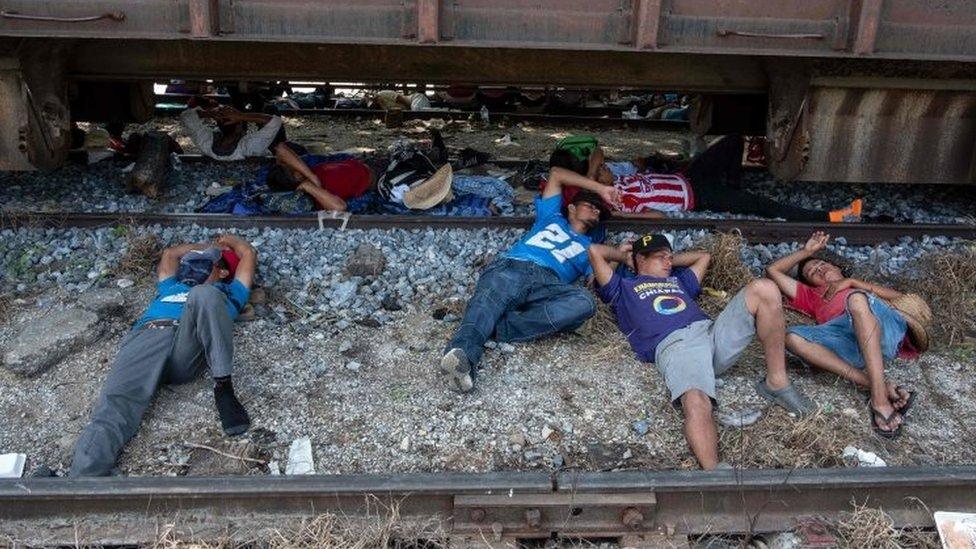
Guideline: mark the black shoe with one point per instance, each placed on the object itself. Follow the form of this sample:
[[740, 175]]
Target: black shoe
[[233, 416]]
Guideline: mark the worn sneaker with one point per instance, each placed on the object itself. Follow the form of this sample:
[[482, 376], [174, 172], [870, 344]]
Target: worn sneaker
[[457, 369], [233, 416]]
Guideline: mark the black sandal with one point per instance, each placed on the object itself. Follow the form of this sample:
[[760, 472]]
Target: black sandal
[[908, 401], [887, 419]]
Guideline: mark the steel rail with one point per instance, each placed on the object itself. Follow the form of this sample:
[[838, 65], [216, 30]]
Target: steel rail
[[505, 506], [752, 230]]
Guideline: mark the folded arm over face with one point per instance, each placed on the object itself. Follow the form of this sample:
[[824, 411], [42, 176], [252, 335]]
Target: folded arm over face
[[169, 262]]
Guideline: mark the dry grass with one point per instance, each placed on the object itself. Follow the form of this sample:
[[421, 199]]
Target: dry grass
[[726, 272], [870, 528], [604, 337], [383, 527], [948, 281], [140, 257], [779, 441]]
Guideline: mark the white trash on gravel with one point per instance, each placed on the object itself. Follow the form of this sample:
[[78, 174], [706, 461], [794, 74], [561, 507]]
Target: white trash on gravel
[[300, 460], [863, 458]]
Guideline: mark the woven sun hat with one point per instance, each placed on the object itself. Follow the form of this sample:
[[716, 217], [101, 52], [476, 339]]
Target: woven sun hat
[[918, 316], [432, 191]]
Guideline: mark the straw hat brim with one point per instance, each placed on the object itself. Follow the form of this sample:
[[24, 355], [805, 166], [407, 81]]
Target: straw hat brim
[[918, 317], [432, 191]]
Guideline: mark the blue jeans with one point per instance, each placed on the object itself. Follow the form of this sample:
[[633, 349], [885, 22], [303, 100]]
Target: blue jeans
[[519, 301], [838, 334]]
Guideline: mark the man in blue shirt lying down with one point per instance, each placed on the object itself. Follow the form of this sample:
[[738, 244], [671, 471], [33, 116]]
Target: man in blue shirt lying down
[[200, 290], [530, 291]]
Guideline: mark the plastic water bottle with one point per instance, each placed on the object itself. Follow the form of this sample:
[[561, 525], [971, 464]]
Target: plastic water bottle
[[484, 114]]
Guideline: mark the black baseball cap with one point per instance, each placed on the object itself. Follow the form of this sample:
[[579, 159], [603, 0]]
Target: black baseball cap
[[591, 197], [651, 243]]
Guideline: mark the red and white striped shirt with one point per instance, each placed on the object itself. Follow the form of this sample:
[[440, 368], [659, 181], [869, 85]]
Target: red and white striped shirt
[[654, 191]]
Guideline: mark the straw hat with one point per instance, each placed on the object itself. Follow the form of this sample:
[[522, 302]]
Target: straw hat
[[918, 316], [432, 191]]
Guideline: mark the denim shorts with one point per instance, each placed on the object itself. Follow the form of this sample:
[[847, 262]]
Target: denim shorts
[[838, 334]]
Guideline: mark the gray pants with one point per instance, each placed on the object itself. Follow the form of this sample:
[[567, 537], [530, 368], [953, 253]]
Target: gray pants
[[148, 357]]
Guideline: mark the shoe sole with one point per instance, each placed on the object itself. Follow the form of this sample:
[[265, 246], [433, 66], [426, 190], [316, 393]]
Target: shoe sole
[[456, 373]]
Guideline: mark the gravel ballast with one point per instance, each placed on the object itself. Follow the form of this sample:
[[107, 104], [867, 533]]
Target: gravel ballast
[[350, 362], [101, 187]]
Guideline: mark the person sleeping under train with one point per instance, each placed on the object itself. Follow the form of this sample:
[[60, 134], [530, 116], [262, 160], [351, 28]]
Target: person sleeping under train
[[651, 187]]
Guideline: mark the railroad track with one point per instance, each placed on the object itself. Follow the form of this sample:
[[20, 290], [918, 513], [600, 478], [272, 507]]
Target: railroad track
[[646, 507], [752, 231]]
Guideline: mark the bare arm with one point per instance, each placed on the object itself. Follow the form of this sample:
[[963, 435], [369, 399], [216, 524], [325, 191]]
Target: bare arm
[[601, 257], [595, 161], [696, 261], [559, 177], [247, 254], [234, 115], [169, 262], [287, 158], [325, 199], [777, 270], [883, 292]]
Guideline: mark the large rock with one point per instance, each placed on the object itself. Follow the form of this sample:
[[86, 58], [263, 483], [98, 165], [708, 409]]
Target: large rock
[[367, 260], [47, 340], [103, 302]]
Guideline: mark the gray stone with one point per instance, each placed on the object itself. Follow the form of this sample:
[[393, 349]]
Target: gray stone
[[367, 260], [506, 348], [343, 293], [43, 342], [640, 427], [353, 366], [104, 301]]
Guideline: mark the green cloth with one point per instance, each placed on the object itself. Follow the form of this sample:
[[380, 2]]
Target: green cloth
[[581, 146]]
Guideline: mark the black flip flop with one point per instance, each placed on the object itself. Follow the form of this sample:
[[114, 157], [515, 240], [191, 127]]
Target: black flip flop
[[874, 414], [908, 401]]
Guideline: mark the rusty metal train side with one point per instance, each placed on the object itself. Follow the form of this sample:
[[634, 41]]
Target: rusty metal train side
[[897, 75]]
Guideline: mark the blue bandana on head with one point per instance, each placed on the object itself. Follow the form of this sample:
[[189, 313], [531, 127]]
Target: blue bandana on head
[[196, 266]]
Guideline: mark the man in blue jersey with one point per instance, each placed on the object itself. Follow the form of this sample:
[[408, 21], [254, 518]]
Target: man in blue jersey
[[529, 291], [657, 312], [201, 289]]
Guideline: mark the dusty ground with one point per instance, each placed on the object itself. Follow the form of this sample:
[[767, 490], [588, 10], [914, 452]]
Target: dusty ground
[[568, 401], [335, 134]]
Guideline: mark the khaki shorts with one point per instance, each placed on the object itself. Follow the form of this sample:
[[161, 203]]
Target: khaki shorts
[[691, 357]]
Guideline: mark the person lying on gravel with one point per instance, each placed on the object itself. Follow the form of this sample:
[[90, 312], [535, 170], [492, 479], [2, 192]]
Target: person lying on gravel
[[709, 183], [231, 140], [201, 288], [657, 312], [860, 325], [529, 291], [329, 184]]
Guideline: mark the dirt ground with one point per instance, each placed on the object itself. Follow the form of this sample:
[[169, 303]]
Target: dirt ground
[[529, 141], [568, 401]]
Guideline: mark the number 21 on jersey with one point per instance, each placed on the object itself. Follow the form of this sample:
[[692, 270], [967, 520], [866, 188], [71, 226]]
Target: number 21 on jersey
[[551, 237]]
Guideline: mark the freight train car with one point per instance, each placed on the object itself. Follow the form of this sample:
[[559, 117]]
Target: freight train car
[[857, 90]]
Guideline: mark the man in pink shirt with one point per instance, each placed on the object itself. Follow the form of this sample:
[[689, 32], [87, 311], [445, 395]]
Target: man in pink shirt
[[857, 330]]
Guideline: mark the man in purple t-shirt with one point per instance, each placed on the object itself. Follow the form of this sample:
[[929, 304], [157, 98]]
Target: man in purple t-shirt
[[657, 311]]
